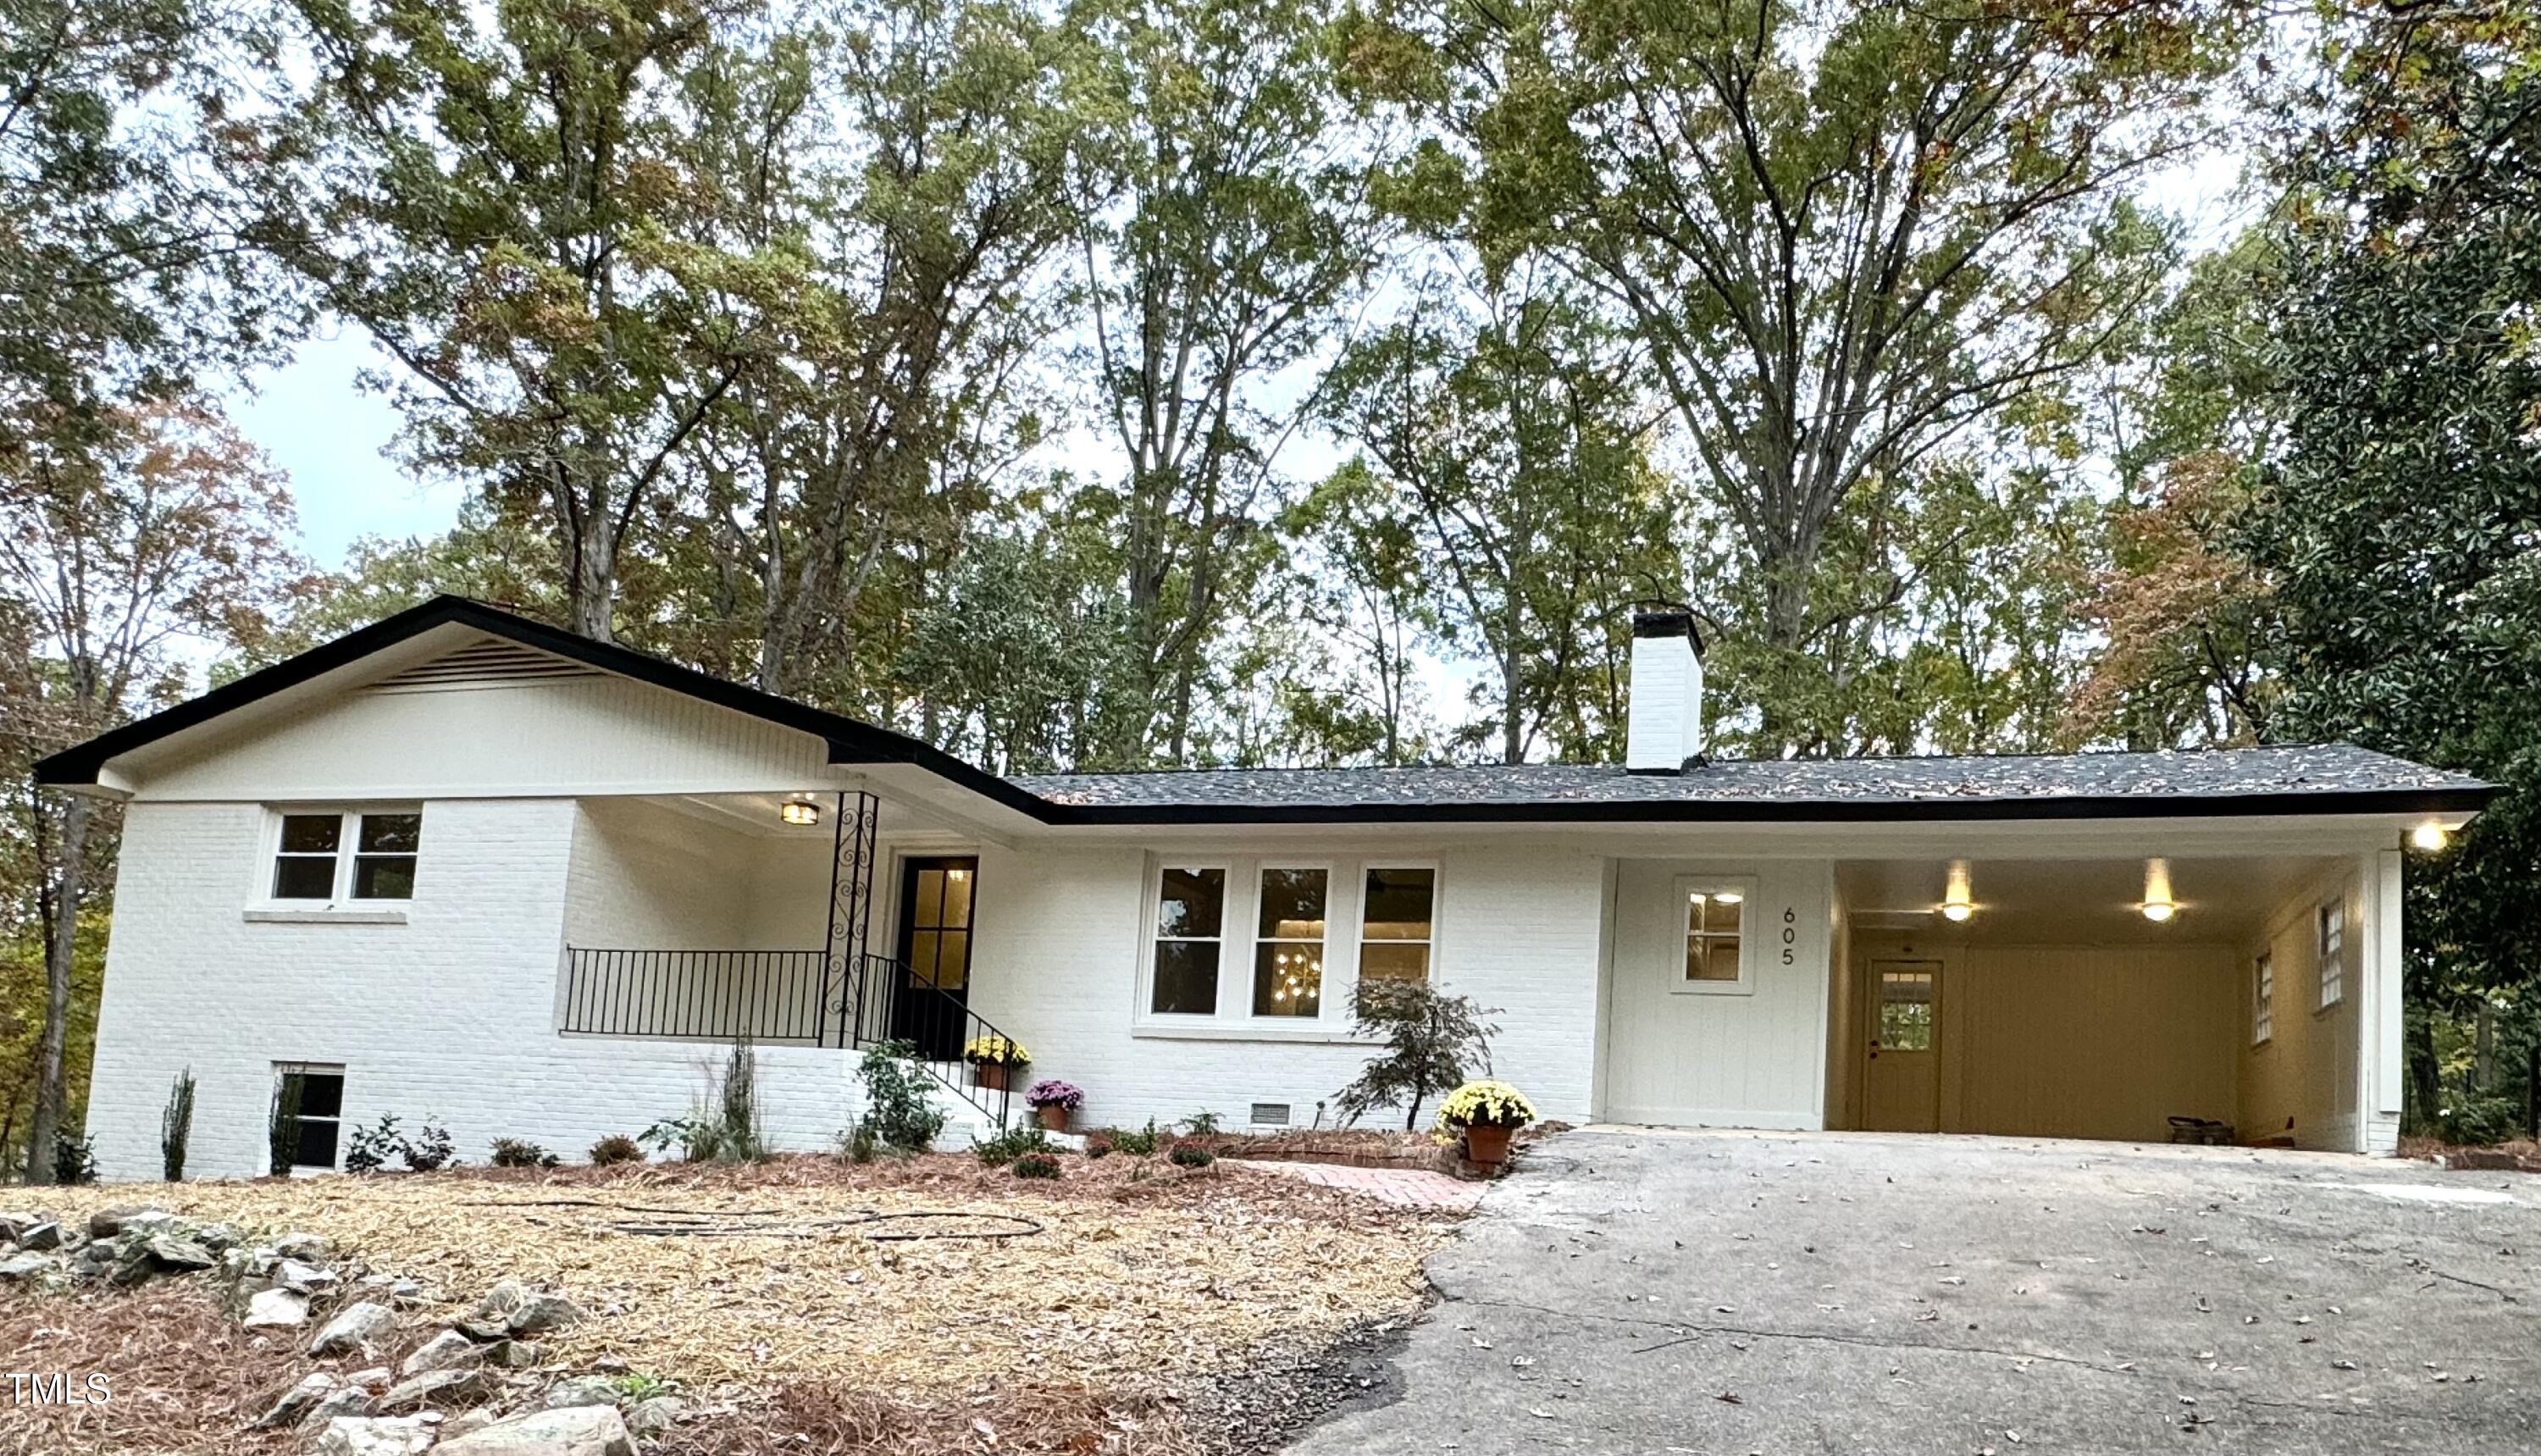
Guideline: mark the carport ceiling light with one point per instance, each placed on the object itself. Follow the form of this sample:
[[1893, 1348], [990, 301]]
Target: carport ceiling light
[[1957, 903], [2157, 904], [2429, 836], [800, 810]]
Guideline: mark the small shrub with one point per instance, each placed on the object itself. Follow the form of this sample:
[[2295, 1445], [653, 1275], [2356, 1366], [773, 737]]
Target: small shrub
[[856, 1144], [696, 1139], [1137, 1144], [899, 1106], [74, 1159], [1431, 1040], [1094, 1149], [431, 1148], [616, 1148], [1035, 1165], [519, 1153], [1010, 1144], [177, 1127], [740, 1137], [1201, 1123], [367, 1150], [1186, 1155]]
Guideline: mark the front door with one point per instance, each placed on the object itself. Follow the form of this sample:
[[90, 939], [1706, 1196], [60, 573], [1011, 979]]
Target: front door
[[1902, 1088], [931, 991]]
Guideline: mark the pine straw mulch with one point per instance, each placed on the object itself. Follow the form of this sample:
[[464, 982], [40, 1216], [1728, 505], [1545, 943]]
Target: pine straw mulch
[[2515, 1155], [186, 1380], [1141, 1270]]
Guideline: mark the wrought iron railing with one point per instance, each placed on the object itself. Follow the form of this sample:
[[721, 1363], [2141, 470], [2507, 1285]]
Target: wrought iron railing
[[784, 998], [771, 997]]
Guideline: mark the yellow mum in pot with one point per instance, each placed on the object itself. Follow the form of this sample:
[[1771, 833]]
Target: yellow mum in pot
[[1486, 1113]]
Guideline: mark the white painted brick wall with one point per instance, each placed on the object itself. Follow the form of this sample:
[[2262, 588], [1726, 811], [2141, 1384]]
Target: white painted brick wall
[[450, 1015], [1057, 957]]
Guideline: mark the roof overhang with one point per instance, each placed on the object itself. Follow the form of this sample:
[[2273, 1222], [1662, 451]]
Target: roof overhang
[[930, 776]]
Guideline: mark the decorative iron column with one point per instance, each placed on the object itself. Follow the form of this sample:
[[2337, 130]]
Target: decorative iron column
[[851, 876]]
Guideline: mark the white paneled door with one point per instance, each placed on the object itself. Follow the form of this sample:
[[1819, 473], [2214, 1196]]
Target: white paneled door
[[1902, 1088]]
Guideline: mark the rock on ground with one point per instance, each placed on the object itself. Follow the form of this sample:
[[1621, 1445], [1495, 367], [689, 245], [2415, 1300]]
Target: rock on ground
[[436, 1387], [276, 1309], [357, 1326], [581, 1430], [447, 1350], [296, 1402], [580, 1390], [391, 1436]]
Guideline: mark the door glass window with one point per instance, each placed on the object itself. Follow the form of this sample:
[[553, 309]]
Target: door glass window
[[939, 926], [1906, 1010]]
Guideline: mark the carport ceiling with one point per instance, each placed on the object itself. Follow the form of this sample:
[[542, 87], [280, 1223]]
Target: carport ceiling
[[2075, 902]]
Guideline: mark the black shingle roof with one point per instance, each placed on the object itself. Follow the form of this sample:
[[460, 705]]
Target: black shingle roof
[[2296, 779], [2333, 779]]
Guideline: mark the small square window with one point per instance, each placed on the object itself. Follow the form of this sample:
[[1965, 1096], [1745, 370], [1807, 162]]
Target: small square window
[[1714, 926]]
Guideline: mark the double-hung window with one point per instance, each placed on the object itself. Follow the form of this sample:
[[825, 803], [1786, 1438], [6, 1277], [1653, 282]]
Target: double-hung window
[[1289, 954], [325, 857], [1395, 916], [1190, 918], [2333, 954]]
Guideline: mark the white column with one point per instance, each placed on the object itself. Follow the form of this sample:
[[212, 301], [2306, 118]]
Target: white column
[[2381, 1061]]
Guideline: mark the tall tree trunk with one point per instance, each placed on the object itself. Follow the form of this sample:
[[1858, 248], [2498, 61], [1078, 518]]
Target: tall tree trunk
[[594, 581], [69, 885]]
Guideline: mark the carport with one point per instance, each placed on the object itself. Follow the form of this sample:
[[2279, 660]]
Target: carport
[[2102, 997]]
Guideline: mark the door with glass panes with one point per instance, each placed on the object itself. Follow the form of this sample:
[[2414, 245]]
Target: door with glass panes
[[1901, 1081], [932, 989]]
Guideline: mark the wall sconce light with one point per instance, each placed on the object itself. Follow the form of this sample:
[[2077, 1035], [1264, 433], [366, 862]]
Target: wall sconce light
[[799, 811], [1957, 903], [2157, 906], [2429, 836]]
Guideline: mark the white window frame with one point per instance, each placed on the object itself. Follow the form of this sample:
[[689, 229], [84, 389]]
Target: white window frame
[[1151, 930], [1254, 940], [1359, 914], [2329, 924], [1343, 907], [1689, 886], [336, 1070], [2263, 998], [339, 903]]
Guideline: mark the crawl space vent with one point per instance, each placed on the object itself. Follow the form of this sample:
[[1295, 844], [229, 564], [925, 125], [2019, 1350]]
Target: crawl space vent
[[487, 664], [1269, 1115]]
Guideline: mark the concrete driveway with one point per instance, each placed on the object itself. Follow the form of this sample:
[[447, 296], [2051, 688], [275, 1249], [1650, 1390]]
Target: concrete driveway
[[1632, 1290]]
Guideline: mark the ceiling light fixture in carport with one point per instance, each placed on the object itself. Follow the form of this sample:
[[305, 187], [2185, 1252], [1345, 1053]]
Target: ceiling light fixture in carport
[[800, 810], [2157, 904], [1956, 902], [2429, 836]]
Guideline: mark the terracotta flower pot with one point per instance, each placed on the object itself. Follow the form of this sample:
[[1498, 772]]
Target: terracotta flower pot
[[1053, 1116], [1486, 1142], [991, 1076]]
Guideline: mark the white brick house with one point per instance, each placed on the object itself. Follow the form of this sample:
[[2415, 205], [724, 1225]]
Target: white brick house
[[465, 866]]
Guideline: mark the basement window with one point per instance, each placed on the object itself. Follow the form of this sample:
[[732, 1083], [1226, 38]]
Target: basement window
[[307, 1114]]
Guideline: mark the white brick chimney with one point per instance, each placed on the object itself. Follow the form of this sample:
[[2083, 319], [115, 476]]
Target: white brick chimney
[[1663, 717]]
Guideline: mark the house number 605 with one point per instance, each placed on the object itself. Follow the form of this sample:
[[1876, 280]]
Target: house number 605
[[1791, 934]]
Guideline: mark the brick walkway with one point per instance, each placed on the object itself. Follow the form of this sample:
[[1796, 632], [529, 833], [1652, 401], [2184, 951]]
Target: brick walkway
[[1409, 1187]]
